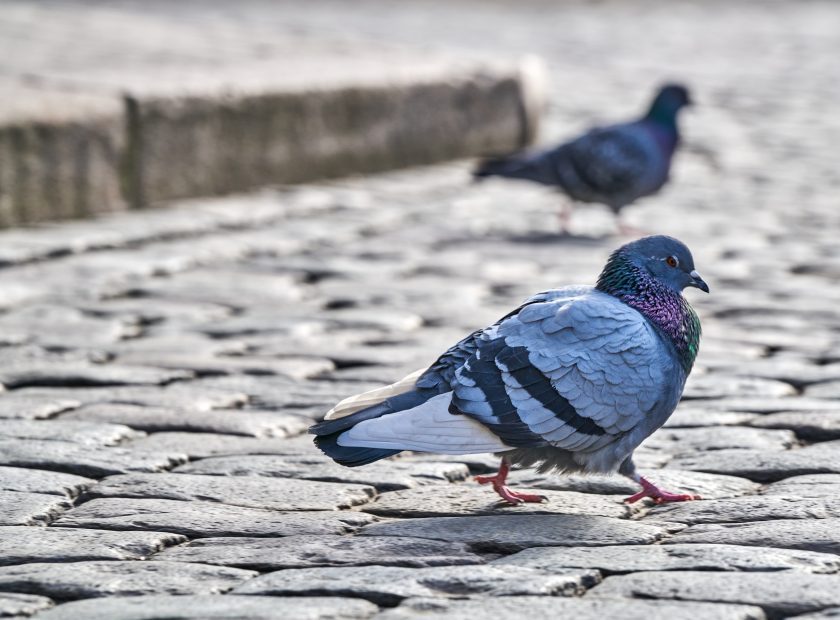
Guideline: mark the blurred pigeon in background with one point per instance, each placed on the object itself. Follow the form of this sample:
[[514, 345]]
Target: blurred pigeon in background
[[573, 380], [613, 165]]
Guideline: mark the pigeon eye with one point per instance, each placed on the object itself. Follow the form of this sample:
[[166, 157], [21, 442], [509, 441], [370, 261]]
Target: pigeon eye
[[672, 261]]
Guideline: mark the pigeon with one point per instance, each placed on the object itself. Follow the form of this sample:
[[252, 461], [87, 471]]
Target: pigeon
[[573, 380], [614, 165]]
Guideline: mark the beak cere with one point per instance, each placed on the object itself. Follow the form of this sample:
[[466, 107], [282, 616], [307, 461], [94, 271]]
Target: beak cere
[[698, 282]]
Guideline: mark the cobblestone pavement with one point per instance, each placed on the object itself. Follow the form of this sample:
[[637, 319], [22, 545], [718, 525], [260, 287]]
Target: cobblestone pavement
[[161, 369]]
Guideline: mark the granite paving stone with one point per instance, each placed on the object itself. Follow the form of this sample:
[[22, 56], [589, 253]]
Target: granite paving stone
[[210, 607], [266, 554], [187, 395], [693, 417], [512, 532], [715, 386], [779, 594], [248, 422], [388, 585], [78, 580], [708, 486], [15, 605], [750, 508], [202, 445], [390, 475], [20, 508], [810, 535], [692, 557], [248, 491], [582, 609], [207, 519], [759, 465], [707, 439], [90, 433], [16, 405], [815, 485], [42, 481], [80, 375], [473, 499], [19, 545], [297, 367], [813, 426], [84, 460]]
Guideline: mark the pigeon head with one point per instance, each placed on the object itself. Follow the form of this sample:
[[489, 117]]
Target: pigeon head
[[650, 275], [670, 99], [667, 260]]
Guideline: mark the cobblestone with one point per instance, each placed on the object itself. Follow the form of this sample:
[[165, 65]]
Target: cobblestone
[[160, 368]]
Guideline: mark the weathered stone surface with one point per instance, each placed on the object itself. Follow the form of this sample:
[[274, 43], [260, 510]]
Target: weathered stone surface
[[20, 508], [810, 535], [743, 509], [76, 374], [193, 607], [89, 433], [388, 475], [83, 460], [183, 395], [816, 485], [19, 545], [717, 386], [759, 465], [829, 389], [811, 425], [693, 417], [763, 404], [203, 519], [387, 585], [693, 440], [552, 607], [211, 365], [42, 481], [231, 421], [708, 486], [515, 532], [75, 580], [325, 550], [15, 405], [248, 491], [200, 445], [633, 558], [20, 605], [472, 499], [779, 594]]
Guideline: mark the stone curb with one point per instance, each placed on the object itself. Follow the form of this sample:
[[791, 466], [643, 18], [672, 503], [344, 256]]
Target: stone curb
[[103, 153]]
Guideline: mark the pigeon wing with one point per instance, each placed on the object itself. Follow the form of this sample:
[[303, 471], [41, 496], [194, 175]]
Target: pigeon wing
[[613, 165], [574, 373]]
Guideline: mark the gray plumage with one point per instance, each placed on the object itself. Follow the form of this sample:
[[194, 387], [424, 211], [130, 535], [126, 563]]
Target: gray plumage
[[573, 380], [614, 165]]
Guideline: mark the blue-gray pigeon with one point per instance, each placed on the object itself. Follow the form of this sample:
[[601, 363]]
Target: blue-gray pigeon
[[613, 165], [573, 380]]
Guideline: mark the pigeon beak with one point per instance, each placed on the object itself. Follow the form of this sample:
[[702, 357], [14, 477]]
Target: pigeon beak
[[697, 282]]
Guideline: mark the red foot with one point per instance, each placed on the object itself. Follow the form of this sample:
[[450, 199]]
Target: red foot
[[657, 495], [499, 486]]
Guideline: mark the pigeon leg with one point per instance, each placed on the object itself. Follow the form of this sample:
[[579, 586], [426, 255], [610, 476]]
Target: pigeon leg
[[565, 217], [658, 495], [499, 486]]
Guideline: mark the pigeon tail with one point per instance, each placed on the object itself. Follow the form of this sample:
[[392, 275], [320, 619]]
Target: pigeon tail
[[328, 431], [529, 168], [350, 456]]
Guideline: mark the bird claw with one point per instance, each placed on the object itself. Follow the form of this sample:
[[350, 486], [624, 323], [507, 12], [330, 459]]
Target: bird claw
[[658, 495], [511, 497]]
